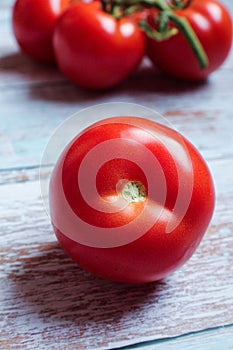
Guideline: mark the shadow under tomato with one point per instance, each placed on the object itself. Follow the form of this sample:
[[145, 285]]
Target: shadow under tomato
[[25, 68], [52, 286], [144, 85], [48, 84], [148, 79]]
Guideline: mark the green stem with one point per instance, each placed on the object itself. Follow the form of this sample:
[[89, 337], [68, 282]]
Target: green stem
[[165, 10], [159, 4], [181, 4], [183, 25]]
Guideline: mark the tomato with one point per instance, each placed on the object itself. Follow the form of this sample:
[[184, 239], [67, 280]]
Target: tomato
[[33, 25], [130, 199], [93, 49], [213, 26]]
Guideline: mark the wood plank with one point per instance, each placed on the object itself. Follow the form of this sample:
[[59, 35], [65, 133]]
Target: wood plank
[[30, 115], [214, 339], [45, 299], [24, 174]]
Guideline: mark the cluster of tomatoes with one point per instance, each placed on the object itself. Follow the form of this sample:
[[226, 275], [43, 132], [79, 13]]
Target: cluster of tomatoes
[[98, 44]]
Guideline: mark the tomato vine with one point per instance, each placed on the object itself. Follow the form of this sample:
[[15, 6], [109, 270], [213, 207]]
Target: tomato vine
[[165, 23]]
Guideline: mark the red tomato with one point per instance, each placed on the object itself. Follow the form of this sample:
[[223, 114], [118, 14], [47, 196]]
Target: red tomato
[[93, 49], [33, 25], [213, 26], [130, 199]]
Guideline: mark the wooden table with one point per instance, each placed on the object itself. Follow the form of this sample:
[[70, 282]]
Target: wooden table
[[46, 301]]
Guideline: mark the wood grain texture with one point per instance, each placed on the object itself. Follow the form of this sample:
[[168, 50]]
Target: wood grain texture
[[29, 116], [213, 339], [46, 301]]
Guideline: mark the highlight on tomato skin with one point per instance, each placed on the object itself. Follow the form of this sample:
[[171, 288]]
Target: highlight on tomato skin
[[33, 23], [95, 50], [212, 24], [130, 199]]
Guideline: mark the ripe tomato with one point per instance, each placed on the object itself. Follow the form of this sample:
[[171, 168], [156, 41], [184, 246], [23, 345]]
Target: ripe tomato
[[93, 49], [33, 25], [130, 199], [213, 26]]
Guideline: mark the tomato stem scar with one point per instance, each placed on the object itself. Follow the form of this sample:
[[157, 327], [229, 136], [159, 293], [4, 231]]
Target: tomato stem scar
[[133, 192]]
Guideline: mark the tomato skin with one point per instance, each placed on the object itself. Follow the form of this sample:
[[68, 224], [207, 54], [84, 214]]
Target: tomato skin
[[156, 253], [212, 24], [33, 25], [93, 49]]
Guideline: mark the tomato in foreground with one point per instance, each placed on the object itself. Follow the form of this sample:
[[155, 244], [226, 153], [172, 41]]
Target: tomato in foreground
[[212, 24], [33, 24], [130, 199], [93, 49]]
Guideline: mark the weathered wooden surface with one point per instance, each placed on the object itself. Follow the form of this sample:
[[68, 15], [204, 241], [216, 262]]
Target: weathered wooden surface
[[214, 339], [46, 302], [46, 299]]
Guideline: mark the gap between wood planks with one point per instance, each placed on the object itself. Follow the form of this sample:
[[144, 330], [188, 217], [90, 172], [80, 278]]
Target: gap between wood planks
[[207, 338], [36, 172]]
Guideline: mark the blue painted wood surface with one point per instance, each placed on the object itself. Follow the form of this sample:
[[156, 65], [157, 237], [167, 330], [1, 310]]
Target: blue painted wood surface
[[46, 302]]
